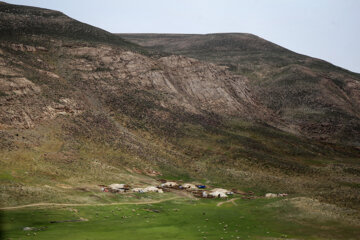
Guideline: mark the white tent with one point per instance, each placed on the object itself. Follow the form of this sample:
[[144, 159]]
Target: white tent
[[169, 184], [227, 192], [218, 194], [152, 189], [138, 190], [270, 195], [204, 194], [116, 186], [189, 186], [274, 195], [220, 190], [147, 189]]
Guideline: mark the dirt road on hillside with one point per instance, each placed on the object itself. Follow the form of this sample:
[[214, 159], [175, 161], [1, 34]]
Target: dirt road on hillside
[[231, 200], [85, 204]]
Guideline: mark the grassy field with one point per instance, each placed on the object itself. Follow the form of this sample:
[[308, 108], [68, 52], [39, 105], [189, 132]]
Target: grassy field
[[177, 219]]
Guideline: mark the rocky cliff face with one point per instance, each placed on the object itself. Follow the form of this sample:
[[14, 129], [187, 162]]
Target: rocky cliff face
[[169, 85], [176, 82], [313, 98]]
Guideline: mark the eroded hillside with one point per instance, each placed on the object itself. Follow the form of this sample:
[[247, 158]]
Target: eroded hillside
[[314, 98]]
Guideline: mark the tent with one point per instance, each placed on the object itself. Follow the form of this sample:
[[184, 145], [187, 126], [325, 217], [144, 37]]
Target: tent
[[189, 186], [138, 190], [152, 189], [147, 189], [116, 186], [217, 194], [170, 184]]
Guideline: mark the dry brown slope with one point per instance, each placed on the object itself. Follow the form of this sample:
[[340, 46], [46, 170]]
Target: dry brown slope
[[317, 98]]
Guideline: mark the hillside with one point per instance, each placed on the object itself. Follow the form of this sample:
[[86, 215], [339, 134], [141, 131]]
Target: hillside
[[81, 107], [17, 19], [315, 98]]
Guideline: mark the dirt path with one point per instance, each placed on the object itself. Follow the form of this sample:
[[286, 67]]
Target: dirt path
[[84, 204], [231, 200]]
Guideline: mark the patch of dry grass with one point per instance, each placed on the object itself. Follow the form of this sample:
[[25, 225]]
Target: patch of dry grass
[[306, 208]]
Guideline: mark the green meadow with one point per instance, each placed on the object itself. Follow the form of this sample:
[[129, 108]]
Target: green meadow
[[174, 219]]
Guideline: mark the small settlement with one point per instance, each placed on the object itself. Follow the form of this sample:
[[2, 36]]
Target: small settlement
[[200, 191]]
